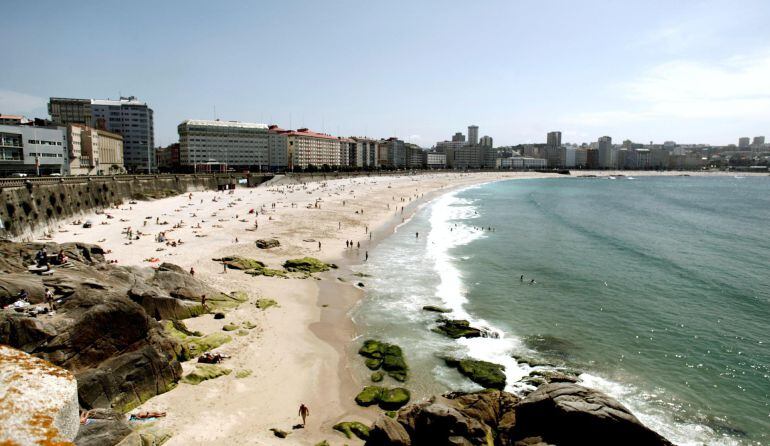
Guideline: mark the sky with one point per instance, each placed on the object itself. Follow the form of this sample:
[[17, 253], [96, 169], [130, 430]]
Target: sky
[[687, 71]]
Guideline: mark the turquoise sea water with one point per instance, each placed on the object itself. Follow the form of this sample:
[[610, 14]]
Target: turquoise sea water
[[656, 288]]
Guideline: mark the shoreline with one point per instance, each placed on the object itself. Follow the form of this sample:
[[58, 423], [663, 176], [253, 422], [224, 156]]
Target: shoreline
[[304, 334]]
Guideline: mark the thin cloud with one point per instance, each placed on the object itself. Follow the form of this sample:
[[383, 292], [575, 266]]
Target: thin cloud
[[736, 88], [13, 102]]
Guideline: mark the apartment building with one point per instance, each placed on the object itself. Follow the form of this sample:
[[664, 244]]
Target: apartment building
[[93, 151], [226, 144], [306, 148], [31, 149]]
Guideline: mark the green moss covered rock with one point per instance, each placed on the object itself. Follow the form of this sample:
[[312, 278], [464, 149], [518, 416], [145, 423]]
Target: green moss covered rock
[[395, 398], [267, 272], [242, 263], [264, 304], [486, 374], [195, 346], [204, 372], [230, 327], [307, 265], [243, 373], [388, 356], [353, 428], [369, 396], [387, 398], [377, 377]]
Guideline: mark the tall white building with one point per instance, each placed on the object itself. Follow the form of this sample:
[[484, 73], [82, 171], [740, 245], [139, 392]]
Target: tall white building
[[486, 141], [473, 135], [230, 143], [133, 120]]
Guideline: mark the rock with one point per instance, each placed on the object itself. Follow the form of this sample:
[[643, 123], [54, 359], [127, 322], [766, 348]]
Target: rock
[[267, 272], [360, 284], [264, 304], [388, 432], [388, 399], [486, 374], [373, 363], [569, 414], [369, 396], [267, 243], [219, 315], [440, 423], [306, 265], [196, 346], [147, 436], [171, 267], [244, 373], [279, 433], [395, 398], [456, 329], [377, 377], [352, 428], [230, 327], [554, 376], [106, 427], [205, 372], [436, 309], [362, 275], [322, 443], [38, 401], [119, 353], [241, 263], [388, 356]]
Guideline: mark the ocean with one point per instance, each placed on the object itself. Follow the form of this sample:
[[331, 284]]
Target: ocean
[[656, 289]]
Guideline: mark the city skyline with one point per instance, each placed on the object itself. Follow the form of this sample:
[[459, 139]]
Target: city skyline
[[692, 72]]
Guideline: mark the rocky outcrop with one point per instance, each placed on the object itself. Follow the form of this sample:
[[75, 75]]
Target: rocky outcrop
[[583, 416], [105, 327], [556, 414], [38, 401]]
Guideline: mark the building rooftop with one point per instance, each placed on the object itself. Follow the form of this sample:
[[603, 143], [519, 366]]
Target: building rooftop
[[310, 133], [219, 123]]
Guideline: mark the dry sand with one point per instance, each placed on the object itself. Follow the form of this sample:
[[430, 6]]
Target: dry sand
[[297, 352]]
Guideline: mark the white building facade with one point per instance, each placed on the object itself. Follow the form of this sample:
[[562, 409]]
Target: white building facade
[[29, 149]]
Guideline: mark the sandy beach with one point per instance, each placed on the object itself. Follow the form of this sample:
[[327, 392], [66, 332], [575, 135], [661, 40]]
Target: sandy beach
[[297, 352]]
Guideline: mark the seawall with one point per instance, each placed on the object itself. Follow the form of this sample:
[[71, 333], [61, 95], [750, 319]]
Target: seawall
[[30, 205]]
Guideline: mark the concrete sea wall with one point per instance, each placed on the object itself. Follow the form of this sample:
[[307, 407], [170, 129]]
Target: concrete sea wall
[[29, 206]]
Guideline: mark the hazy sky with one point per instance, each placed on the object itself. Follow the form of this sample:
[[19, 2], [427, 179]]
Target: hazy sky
[[689, 71]]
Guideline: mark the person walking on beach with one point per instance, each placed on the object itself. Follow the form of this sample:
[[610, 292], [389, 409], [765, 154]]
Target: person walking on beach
[[224, 267], [304, 412], [319, 246], [367, 256], [192, 272]]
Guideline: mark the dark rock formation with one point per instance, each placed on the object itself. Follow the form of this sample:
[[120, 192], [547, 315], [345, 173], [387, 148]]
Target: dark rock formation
[[569, 414], [436, 309], [484, 373], [106, 427], [267, 243], [456, 329], [556, 414]]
